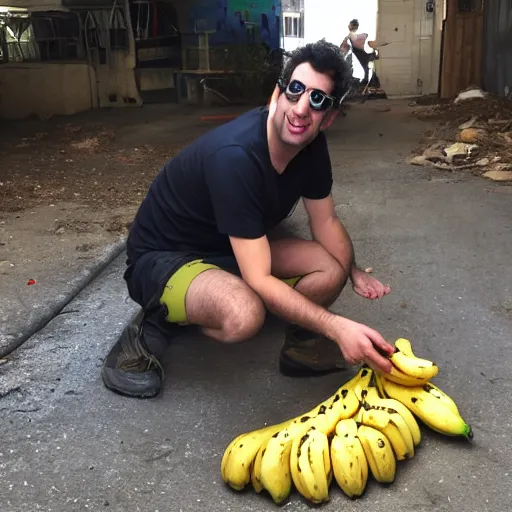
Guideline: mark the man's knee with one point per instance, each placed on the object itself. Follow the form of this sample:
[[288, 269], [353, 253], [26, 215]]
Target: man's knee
[[243, 319], [335, 277]]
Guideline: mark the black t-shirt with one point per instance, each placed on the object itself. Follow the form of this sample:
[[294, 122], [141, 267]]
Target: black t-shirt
[[224, 184]]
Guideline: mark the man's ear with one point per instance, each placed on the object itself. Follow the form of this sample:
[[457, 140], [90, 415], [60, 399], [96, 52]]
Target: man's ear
[[272, 104], [329, 119]]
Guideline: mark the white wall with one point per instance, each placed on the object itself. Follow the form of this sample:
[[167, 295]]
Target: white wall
[[291, 43]]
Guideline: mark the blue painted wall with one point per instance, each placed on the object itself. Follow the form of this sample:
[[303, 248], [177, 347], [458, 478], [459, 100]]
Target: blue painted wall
[[238, 21]]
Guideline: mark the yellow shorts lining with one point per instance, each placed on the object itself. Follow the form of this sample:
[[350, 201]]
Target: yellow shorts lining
[[175, 290]]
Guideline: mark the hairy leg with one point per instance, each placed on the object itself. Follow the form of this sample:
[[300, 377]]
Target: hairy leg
[[228, 310], [224, 306], [324, 278]]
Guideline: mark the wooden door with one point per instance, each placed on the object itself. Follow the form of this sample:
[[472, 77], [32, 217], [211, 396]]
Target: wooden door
[[462, 46]]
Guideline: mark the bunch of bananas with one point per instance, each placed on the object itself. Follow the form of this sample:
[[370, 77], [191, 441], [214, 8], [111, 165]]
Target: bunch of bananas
[[368, 425]]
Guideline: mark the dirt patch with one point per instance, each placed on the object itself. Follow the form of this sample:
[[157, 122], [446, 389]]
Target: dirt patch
[[451, 113], [93, 170], [473, 135], [69, 188]]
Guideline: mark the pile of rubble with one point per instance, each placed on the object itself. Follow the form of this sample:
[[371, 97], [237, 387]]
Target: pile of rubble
[[474, 133]]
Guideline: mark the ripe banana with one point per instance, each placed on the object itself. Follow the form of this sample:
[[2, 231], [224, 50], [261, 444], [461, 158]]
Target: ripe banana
[[398, 411], [379, 453], [256, 469], [348, 460], [275, 473], [314, 465], [296, 471], [399, 377], [275, 464], [404, 346], [361, 378], [380, 420], [430, 410], [238, 460], [239, 455], [441, 395], [386, 420], [409, 364], [378, 385]]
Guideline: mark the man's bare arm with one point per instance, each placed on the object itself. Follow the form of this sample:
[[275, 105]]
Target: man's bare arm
[[357, 342], [328, 230]]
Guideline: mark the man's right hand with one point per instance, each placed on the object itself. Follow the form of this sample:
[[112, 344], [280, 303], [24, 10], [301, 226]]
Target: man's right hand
[[361, 344]]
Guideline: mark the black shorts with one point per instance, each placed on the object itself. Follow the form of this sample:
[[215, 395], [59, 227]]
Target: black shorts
[[163, 277]]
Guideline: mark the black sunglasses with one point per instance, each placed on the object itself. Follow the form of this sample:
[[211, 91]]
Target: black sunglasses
[[318, 100]]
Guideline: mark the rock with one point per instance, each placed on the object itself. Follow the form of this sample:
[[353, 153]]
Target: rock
[[418, 160], [472, 135], [60, 231], [4, 264], [499, 175], [483, 162]]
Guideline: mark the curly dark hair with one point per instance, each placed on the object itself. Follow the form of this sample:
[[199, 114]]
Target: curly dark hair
[[324, 57]]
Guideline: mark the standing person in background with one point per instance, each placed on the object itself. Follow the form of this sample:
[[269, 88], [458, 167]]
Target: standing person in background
[[356, 42]]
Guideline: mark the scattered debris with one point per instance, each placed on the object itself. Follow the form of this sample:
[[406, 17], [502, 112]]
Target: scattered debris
[[473, 135], [473, 132], [468, 124], [470, 94], [459, 149], [499, 175]]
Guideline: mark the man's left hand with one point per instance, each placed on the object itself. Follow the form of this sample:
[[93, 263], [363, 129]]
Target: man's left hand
[[366, 285]]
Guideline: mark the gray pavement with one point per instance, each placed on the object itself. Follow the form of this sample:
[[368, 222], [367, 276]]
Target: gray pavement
[[443, 243], [25, 310]]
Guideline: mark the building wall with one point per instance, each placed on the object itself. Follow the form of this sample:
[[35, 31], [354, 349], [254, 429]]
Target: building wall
[[233, 21], [116, 83], [63, 87], [291, 43], [45, 90], [497, 72]]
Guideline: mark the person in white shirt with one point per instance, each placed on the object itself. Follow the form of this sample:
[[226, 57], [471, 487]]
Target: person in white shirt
[[357, 42]]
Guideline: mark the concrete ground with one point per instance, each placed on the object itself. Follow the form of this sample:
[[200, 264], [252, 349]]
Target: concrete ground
[[443, 243]]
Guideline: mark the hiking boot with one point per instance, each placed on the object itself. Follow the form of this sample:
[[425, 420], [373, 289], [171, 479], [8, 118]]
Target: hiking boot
[[131, 369], [306, 354]]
